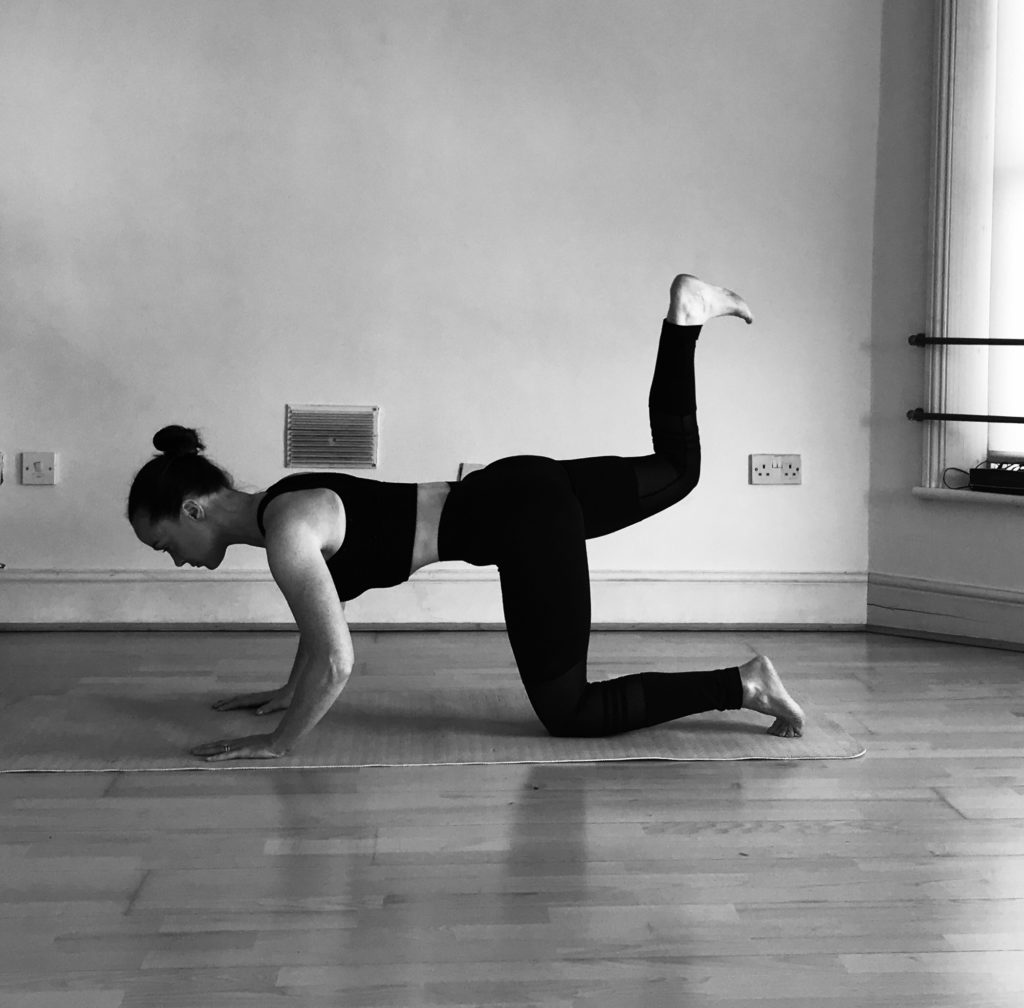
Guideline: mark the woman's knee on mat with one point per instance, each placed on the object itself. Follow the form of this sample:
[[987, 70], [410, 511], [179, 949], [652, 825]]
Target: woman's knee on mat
[[570, 707], [584, 722], [560, 723]]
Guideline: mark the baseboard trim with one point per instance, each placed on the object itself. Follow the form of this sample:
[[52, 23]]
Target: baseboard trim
[[443, 595], [939, 638], [457, 597], [946, 611], [425, 627]]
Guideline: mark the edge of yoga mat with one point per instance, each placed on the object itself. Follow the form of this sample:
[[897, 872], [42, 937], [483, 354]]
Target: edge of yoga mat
[[275, 765]]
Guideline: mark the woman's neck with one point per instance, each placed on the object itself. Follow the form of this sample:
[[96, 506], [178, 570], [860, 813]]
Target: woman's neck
[[234, 514]]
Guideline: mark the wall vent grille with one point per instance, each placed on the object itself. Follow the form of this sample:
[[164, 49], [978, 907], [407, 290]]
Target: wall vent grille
[[331, 437]]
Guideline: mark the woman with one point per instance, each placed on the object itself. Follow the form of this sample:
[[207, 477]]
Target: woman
[[330, 536]]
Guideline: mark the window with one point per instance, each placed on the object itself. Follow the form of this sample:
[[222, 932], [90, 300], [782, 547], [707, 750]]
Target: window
[[977, 229], [1006, 364]]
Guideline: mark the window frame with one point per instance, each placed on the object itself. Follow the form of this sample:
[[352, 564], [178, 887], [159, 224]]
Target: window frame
[[960, 233]]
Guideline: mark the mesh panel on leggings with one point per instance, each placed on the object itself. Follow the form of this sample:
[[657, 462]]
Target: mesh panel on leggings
[[570, 706]]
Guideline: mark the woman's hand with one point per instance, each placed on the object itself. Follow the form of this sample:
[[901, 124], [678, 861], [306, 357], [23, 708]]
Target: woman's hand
[[250, 747], [265, 703]]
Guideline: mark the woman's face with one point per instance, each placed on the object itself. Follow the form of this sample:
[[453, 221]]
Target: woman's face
[[187, 539]]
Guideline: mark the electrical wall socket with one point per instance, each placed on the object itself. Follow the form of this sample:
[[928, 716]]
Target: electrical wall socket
[[781, 470]]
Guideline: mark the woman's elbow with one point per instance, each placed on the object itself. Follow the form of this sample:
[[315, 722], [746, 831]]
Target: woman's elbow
[[337, 671]]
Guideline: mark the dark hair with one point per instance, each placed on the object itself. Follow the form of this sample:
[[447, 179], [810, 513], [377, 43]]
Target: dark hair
[[180, 471]]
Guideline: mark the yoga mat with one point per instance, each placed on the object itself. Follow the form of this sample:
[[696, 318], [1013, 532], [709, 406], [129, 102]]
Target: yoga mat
[[103, 730]]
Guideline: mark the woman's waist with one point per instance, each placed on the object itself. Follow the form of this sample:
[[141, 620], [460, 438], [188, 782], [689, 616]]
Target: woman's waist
[[431, 500]]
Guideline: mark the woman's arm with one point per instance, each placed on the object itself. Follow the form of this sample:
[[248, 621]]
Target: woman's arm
[[298, 666], [314, 696], [301, 660], [325, 657]]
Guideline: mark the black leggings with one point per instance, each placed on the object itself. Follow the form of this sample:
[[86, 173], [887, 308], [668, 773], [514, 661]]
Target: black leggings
[[532, 516]]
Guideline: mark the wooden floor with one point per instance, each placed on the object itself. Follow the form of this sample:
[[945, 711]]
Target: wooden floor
[[896, 879]]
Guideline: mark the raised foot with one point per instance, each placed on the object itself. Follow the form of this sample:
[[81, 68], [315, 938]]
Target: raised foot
[[693, 302], [763, 692]]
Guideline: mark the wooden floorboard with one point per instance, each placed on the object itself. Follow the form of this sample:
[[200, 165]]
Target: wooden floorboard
[[895, 879]]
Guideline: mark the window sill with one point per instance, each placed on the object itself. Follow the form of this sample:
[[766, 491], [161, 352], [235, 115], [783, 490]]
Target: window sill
[[968, 497]]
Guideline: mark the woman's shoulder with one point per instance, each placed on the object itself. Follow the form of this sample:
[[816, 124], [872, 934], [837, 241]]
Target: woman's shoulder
[[293, 501]]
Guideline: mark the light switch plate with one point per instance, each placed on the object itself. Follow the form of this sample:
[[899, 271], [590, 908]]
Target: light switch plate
[[38, 468]]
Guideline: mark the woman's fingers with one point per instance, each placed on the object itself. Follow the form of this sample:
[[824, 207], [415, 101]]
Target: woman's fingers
[[209, 748], [243, 752], [215, 751], [266, 703], [251, 747], [218, 757], [241, 701], [232, 703]]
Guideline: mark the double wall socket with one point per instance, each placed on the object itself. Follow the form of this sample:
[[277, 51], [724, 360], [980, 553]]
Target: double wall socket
[[777, 469]]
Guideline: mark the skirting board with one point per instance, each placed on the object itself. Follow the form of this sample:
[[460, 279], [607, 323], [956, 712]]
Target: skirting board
[[235, 628], [947, 611], [432, 598], [471, 599]]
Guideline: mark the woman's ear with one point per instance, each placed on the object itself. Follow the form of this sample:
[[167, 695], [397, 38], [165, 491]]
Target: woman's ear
[[192, 509]]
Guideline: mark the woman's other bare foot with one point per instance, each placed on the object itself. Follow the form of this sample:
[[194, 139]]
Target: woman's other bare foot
[[693, 302], [763, 692]]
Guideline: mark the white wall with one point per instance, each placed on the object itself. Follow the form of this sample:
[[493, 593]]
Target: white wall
[[945, 567], [467, 212]]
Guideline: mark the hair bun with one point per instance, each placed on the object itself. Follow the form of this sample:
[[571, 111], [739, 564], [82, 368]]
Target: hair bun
[[175, 440]]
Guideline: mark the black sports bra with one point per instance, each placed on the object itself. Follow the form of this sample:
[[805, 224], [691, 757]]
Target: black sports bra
[[380, 528]]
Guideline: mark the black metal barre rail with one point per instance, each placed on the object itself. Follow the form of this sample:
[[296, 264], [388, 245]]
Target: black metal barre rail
[[920, 414], [920, 339]]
